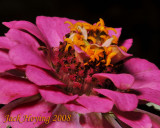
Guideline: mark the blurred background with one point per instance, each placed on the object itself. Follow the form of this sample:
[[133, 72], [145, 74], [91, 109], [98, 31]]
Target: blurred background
[[140, 19]]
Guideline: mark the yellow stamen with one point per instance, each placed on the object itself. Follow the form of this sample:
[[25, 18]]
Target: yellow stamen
[[92, 39], [68, 22], [98, 64], [108, 50], [94, 27], [78, 24], [78, 40], [68, 40], [98, 34], [112, 29], [97, 53], [67, 46], [88, 50], [69, 43], [123, 48], [109, 57], [87, 26], [115, 39], [101, 28], [100, 22], [104, 37]]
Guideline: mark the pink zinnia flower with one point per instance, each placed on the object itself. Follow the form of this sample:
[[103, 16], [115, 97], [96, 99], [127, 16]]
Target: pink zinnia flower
[[76, 71]]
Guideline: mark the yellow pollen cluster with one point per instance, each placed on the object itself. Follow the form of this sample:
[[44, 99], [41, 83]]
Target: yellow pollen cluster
[[90, 39]]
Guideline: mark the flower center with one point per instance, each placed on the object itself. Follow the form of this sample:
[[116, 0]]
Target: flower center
[[86, 50], [94, 40]]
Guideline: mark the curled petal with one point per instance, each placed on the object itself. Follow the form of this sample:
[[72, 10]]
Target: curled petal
[[41, 77], [121, 81], [149, 94], [6, 43], [56, 96], [134, 119], [127, 43], [78, 50], [123, 101], [95, 104], [27, 26], [152, 75], [146, 84], [149, 79], [137, 65], [61, 27], [5, 62], [107, 42], [13, 88], [23, 54], [80, 54], [120, 54], [22, 38]]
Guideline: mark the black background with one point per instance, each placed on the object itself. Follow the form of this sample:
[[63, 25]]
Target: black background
[[139, 19]]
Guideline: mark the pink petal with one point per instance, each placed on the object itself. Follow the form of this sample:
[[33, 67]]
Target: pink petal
[[111, 33], [123, 101], [5, 62], [23, 54], [53, 28], [80, 55], [32, 111], [95, 104], [154, 118], [71, 120], [149, 94], [76, 108], [121, 55], [61, 27], [6, 110], [27, 26], [136, 65], [13, 88], [6, 43], [152, 75], [47, 26], [146, 84], [121, 81], [78, 50], [94, 120], [41, 77], [127, 43], [56, 96], [22, 38], [149, 79], [134, 119]]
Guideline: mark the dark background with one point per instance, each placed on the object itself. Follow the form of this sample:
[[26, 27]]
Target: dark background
[[139, 19]]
